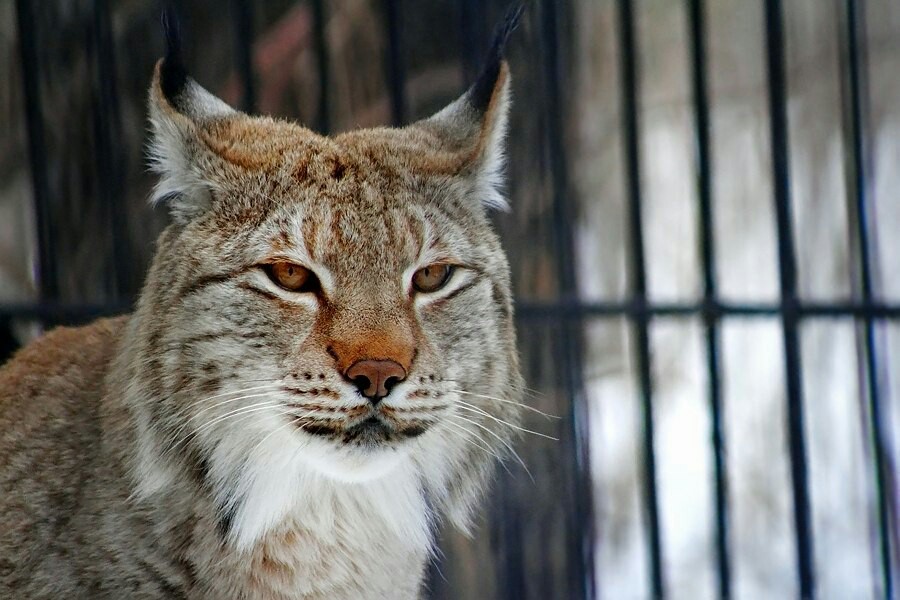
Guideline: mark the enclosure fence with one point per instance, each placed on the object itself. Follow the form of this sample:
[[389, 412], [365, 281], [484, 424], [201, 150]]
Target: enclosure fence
[[571, 312]]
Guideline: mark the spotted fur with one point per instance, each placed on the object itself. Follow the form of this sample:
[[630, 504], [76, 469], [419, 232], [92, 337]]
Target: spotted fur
[[208, 446]]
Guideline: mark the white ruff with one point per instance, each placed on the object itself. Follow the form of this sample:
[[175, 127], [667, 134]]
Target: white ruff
[[319, 487]]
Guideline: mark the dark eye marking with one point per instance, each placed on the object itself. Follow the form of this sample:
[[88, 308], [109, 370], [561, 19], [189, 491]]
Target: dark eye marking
[[463, 288], [260, 291], [201, 283]]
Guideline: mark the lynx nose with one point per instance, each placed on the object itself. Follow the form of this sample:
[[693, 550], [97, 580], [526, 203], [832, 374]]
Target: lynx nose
[[375, 378]]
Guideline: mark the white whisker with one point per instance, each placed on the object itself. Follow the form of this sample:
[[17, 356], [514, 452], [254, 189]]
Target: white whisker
[[530, 392], [238, 411], [506, 401], [190, 418], [501, 440], [229, 401], [477, 442], [290, 423], [473, 408], [249, 389]]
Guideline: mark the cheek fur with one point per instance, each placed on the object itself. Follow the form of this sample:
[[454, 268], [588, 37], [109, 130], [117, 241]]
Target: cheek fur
[[230, 327], [464, 327]]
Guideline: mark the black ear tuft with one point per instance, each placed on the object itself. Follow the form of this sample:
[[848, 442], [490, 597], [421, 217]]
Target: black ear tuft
[[173, 75], [481, 92]]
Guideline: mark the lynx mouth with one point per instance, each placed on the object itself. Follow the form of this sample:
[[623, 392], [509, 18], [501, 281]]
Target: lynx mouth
[[372, 430]]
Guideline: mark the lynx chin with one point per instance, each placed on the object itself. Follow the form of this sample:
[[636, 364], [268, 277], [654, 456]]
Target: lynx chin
[[320, 368]]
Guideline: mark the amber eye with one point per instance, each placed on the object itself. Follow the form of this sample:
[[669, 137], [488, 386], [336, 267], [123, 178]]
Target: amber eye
[[432, 278], [292, 277]]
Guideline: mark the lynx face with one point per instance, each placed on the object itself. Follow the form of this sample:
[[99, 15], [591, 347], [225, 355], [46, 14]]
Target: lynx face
[[325, 307]]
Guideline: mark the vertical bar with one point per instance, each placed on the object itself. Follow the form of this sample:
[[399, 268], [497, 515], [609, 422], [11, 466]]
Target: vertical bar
[[107, 132], [514, 586], [472, 36], [631, 139], [46, 268], [581, 529], [710, 314], [243, 28], [323, 117], [396, 70], [777, 94], [8, 342], [856, 123]]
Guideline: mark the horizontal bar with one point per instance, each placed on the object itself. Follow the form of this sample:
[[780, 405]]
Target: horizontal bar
[[61, 312], [718, 309], [526, 310]]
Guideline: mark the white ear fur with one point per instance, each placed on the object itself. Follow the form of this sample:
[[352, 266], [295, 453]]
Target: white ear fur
[[481, 132], [178, 184], [173, 150], [492, 170], [490, 174]]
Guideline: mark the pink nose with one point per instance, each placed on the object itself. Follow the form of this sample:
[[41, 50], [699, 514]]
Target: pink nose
[[375, 378]]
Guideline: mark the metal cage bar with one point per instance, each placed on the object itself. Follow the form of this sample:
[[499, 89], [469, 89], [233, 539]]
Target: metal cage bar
[[628, 57], [854, 104], [530, 311], [395, 67], [581, 578], [323, 116], [473, 36], [790, 316], [697, 32], [37, 152], [107, 127], [243, 38], [719, 308]]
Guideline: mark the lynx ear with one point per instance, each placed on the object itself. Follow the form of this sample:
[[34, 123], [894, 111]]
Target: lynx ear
[[475, 124], [178, 108]]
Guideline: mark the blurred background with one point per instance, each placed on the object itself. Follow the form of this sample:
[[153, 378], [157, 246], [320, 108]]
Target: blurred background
[[705, 223]]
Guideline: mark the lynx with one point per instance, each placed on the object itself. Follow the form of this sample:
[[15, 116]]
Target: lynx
[[320, 368]]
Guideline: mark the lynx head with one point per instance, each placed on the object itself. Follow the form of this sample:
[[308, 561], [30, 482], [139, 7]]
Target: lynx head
[[326, 311]]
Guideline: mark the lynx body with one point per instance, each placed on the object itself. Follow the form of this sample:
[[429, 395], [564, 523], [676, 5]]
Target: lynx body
[[321, 366]]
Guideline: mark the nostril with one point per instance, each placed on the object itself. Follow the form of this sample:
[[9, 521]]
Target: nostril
[[390, 382], [362, 383]]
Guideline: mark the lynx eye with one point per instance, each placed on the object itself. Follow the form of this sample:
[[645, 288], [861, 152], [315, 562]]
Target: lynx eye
[[292, 277], [432, 278]]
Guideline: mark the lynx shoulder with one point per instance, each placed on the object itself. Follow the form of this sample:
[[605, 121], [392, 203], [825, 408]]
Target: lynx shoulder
[[321, 366]]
